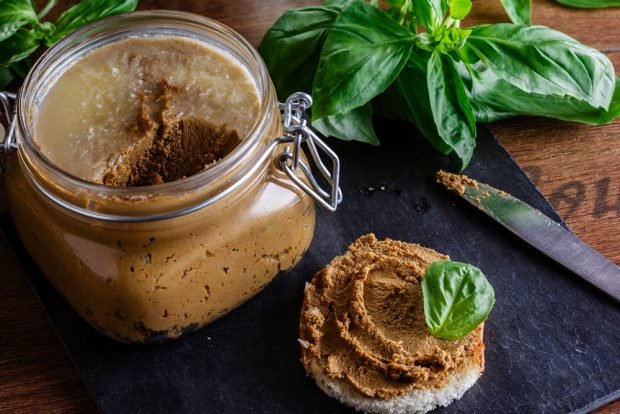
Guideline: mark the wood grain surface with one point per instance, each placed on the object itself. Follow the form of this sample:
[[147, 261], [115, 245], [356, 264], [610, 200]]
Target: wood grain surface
[[576, 167]]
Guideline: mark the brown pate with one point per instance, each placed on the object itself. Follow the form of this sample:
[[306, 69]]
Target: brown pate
[[168, 148], [363, 321], [455, 182]]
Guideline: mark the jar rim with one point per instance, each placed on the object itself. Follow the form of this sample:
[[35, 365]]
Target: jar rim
[[152, 21]]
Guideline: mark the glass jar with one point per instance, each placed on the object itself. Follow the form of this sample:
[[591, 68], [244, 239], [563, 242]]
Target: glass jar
[[148, 264]]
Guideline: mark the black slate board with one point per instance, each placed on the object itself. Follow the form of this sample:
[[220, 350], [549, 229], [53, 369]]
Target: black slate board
[[552, 340]]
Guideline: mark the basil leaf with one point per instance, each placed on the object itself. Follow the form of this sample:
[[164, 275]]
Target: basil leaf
[[460, 8], [540, 60], [361, 40], [452, 39], [9, 72], [14, 14], [337, 3], [6, 76], [494, 99], [407, 99], [430, 13], [485, 113], [519, 11], [590, 4], [22, 67], [443, 40], [401, 12], [19, 46], [87, 11], [355, 125], [450, 106], [395, 14], [291, 48], [457, 298], [396, 3]]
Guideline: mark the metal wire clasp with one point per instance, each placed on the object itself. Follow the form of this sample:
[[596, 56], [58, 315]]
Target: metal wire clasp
[[7, 131], [7, 136], [290, 160]]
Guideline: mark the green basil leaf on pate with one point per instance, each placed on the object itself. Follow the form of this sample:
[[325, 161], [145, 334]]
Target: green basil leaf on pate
[[451, 109], [15, 14], [361, 40], [355, 125], [519, 11], [542, 61], [457, 298], [87, 11], [590, 4]]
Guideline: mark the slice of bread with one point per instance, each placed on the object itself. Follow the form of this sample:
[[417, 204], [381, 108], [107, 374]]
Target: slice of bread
[[416, 401], [420, 399]]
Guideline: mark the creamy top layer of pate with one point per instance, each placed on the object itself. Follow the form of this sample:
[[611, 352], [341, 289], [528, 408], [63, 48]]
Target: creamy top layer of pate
[[103, 113], [363, 319]]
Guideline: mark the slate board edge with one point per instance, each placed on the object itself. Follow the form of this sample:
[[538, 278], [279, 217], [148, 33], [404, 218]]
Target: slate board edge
[[598, 403]]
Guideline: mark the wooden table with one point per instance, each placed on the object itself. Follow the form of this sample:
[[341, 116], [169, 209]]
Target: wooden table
[[576, 167]]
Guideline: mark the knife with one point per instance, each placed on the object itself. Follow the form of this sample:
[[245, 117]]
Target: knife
[[538, 230]]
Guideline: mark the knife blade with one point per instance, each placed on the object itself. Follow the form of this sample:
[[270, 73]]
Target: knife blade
[[538, 230]]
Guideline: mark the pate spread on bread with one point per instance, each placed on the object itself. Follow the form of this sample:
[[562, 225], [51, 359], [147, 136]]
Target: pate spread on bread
[[364, 337]]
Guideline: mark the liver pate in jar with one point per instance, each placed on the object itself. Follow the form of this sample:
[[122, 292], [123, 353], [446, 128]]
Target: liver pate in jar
[[145, 185]]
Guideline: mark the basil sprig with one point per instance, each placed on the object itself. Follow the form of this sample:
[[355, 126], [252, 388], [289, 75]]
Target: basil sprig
[[457, 298], [414, 62], [22, 31]]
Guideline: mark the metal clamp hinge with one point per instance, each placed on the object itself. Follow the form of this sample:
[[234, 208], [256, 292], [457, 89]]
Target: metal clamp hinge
[[7, 136], [7, 133], [290, 160]]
